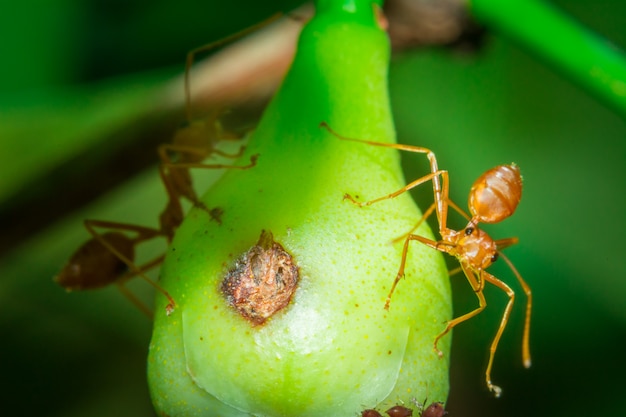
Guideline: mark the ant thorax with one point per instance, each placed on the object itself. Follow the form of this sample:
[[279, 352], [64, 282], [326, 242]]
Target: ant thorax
[[473, 247], [197, 135]]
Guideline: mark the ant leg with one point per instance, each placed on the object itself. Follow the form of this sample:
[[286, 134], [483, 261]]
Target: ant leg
[[477, 286], [219, 152], [132, 297], [188, 165], [455, 271], [505, 318], [529, 300], [144, 234], [178, 183], [505, 243], [442, 211], [400, 274], [405, 250], [172, 215], [136, 301], [395, 193], [459, 210], [198, 139], [208, 47], [224, 135], [181, 186], [434, 170], [440, 246], [426, 214]]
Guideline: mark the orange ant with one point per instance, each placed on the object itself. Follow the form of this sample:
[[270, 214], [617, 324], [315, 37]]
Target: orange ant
[[494, 196], [108, 258]]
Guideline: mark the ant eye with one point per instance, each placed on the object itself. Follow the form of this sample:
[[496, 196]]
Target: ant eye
[[494, 257], [469, 231]]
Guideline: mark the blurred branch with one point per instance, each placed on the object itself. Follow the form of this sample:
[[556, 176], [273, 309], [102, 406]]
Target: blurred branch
[[588, 59], [244, 75], [241, 76]]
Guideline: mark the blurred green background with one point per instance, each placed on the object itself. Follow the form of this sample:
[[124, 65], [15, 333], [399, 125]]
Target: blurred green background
[[75, 83]]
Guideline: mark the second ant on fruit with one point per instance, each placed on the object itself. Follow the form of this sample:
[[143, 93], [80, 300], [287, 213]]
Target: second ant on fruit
[[109, 257]]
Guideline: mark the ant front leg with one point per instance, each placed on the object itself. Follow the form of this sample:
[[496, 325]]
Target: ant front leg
[[396, 193], [178, 183], [405, 250], [440, 191]]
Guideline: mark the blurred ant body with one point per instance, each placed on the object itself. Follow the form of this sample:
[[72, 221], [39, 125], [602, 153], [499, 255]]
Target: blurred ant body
[[109, 258]]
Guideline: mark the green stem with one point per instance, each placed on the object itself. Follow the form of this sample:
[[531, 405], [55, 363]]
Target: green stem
[[579, 53], [324, 6]]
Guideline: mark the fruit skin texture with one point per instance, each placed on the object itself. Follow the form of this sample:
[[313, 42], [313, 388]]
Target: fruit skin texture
[[334, 350]]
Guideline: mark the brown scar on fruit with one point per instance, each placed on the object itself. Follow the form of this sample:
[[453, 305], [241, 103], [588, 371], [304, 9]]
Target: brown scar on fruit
[[262, 281]]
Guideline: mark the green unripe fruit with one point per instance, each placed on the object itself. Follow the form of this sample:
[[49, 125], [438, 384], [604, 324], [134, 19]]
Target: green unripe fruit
[[328, 347]]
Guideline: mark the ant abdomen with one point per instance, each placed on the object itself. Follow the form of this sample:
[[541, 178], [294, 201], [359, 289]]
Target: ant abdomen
[[496, 194], [94, 265]]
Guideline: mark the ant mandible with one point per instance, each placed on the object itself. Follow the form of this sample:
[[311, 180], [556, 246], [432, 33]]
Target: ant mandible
[[109, 258], [494, 196]]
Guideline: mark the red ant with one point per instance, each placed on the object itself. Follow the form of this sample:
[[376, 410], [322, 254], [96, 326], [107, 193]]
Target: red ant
[[197, 140], [494, 196], [108, 258]]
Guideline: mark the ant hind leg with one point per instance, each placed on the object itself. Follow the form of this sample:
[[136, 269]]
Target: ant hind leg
[[126, 254]]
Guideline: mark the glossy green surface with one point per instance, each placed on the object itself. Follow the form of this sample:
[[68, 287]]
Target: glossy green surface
[[573, 49], [334, 350], [499, 105]]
